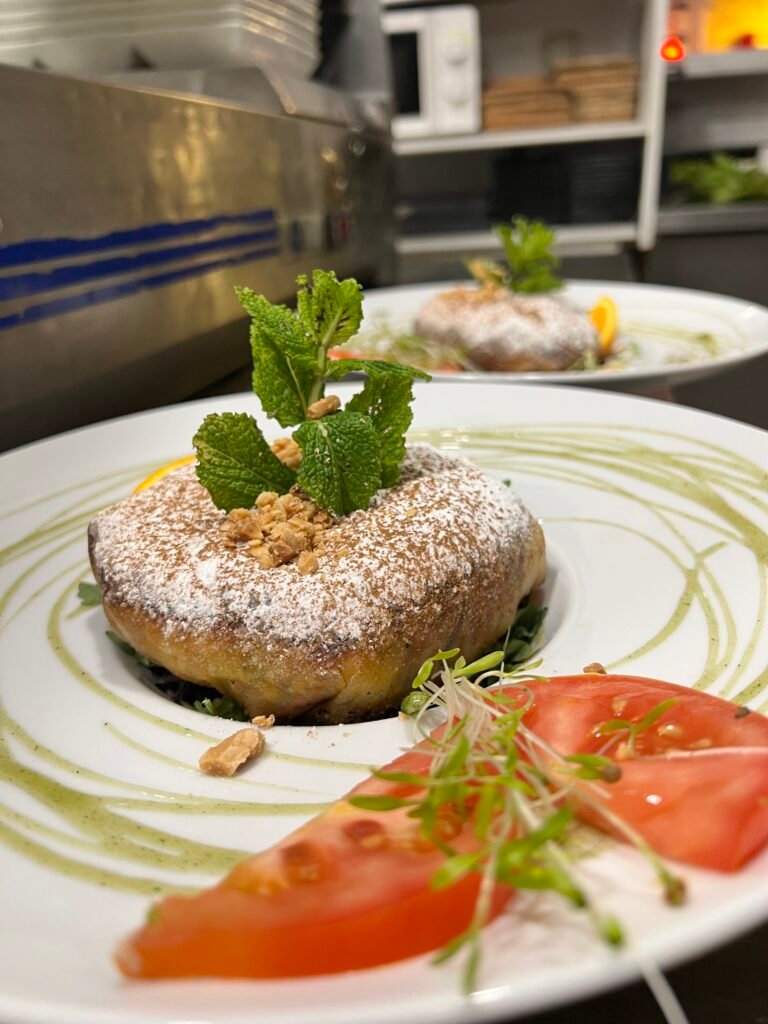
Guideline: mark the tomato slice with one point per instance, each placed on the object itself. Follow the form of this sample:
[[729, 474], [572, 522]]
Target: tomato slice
[[345, 353], [351, 888], [348, 890], [696, 784]]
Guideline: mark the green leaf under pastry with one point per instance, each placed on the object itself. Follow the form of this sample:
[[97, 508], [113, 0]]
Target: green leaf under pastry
[[88, 594]]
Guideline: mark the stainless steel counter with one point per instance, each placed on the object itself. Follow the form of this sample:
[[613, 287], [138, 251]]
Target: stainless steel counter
[[128, 215]]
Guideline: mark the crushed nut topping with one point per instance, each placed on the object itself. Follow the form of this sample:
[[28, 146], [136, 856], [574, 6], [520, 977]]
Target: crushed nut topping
[[323, 407], [289, 453], [280, 529], [594, 668], [307, 562], [226, 757]]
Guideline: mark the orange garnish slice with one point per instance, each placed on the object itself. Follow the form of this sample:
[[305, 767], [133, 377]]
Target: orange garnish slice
[[605, 319], [158, 474]]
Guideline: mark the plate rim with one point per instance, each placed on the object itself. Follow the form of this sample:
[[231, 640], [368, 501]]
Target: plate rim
[[741, 914]]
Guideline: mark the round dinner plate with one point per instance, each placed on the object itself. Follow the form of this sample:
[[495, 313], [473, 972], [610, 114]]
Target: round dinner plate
[[667, 336], [657, 531]]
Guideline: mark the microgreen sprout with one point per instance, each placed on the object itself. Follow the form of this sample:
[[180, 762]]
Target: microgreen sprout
[[489, 770], [634, 729]]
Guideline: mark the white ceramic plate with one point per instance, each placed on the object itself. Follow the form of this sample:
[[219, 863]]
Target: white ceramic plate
[[667, 336], [657, 530]]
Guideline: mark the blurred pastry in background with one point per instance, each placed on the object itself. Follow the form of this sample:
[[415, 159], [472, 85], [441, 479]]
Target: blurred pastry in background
[[502, 331]]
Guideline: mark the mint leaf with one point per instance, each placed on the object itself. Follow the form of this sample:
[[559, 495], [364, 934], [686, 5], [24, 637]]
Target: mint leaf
[[340, 467], [235, 463], [332, 310], [386, 398], [342, 367], [528, 246], [284, 358]]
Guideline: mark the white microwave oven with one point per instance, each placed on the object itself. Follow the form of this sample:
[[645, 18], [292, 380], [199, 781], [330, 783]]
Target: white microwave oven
[[436, 70]]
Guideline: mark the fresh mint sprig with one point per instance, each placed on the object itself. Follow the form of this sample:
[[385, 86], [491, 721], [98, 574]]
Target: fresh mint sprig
[[331, 312], [284, 359], [235, 463], [386, 399], [347, 455], [531, 263], [341, 465]]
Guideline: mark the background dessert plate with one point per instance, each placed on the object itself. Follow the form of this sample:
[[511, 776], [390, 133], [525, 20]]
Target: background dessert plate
[[666, 336], [657, 529]]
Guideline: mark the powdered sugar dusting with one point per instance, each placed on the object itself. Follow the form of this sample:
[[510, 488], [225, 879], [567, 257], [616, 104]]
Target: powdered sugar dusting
[[502, 331], [162, 552]]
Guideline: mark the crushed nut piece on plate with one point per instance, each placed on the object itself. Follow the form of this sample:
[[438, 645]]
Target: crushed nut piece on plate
[[226, 757]]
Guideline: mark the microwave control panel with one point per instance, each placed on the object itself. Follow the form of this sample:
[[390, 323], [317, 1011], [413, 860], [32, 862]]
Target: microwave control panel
[[455, 62], [436, 70]]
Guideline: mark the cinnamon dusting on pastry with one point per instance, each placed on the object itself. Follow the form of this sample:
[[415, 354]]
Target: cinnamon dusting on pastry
[[181, 572]]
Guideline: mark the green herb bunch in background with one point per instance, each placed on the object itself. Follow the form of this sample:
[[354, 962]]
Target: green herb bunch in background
[[347, 455], [720, 179], [531, 262]]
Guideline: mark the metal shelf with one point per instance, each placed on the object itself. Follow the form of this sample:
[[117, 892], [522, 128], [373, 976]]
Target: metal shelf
[[728, 64], [571, 240], [707, 219], [593, 131]]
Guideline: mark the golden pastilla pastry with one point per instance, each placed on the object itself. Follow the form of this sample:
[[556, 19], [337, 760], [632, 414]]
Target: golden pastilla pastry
[[440, 560], [511, 322], [500, 331]]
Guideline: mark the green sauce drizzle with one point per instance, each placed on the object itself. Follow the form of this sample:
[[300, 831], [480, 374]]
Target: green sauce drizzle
[[692, 483]]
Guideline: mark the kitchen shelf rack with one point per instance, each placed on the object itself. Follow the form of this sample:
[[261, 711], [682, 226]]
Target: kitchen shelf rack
[[576, 240], [560, 135], [580, 239], [728, 64], [706, 219]]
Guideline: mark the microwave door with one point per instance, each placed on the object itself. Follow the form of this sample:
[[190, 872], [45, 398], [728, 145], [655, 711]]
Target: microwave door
[[414, 102]]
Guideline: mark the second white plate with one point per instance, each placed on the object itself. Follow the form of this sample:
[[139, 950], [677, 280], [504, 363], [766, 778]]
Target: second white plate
[[667, 336]]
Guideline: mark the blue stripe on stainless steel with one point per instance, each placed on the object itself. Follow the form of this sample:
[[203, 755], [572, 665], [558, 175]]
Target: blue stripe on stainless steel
[[19, 285], [35, 250], [71, 303]]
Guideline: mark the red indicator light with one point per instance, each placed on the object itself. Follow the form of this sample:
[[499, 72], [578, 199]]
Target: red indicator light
[[672, 50]]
